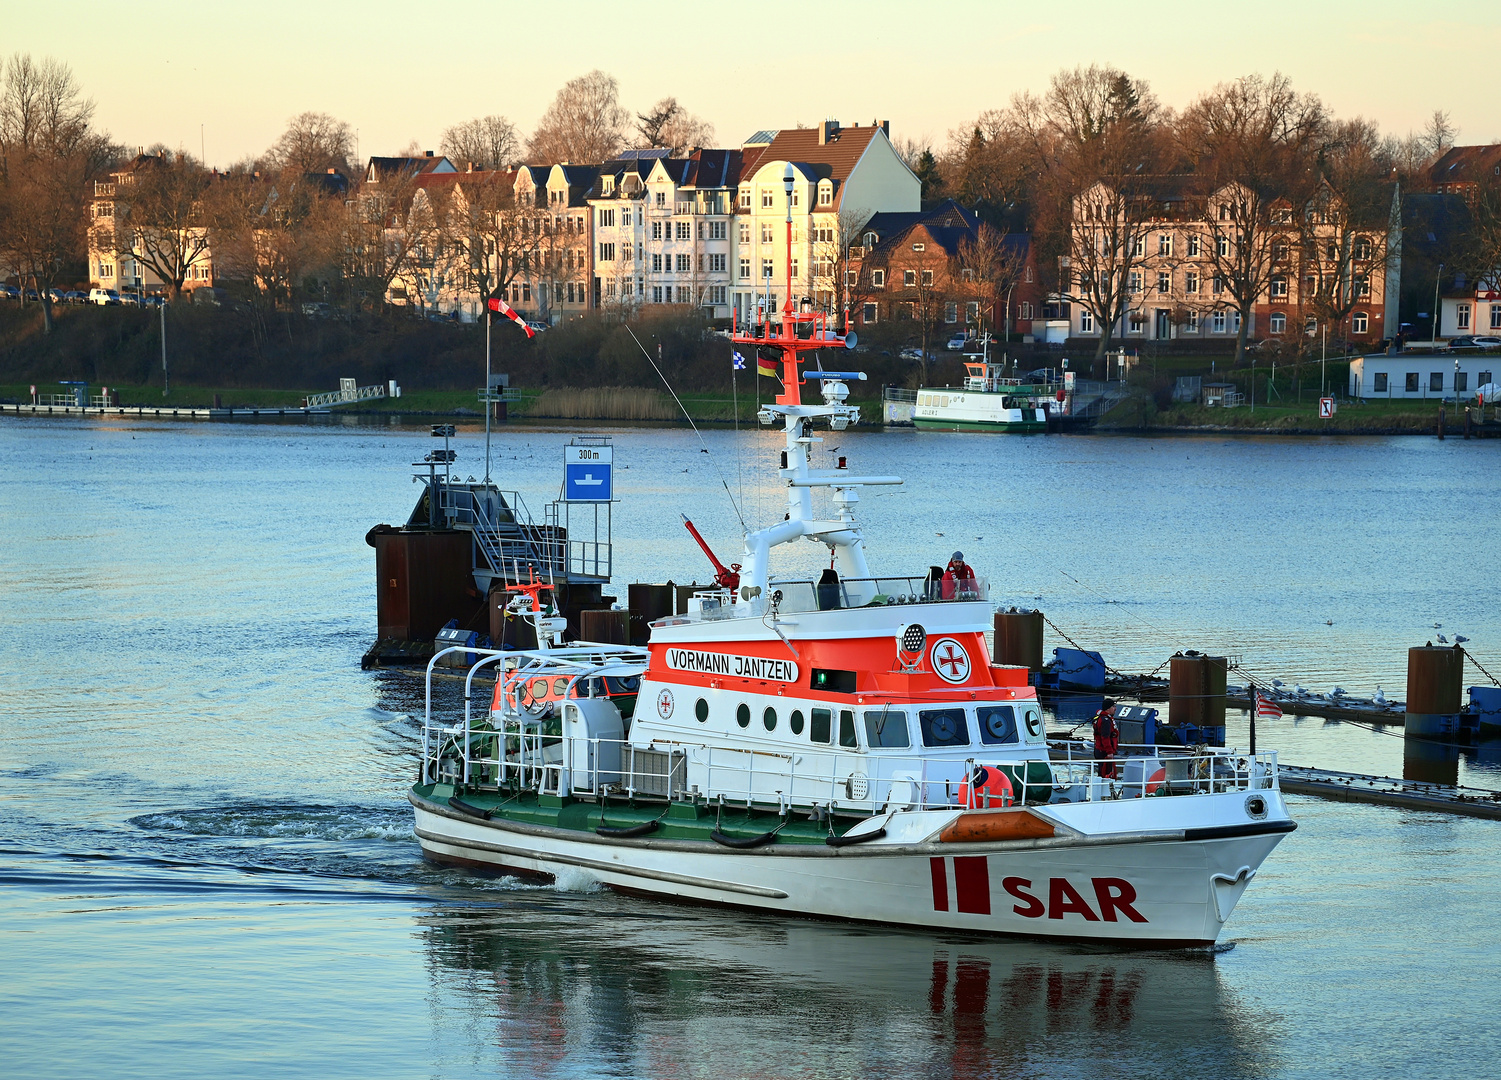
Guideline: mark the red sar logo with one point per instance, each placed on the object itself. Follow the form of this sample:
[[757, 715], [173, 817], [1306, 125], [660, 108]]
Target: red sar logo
[[664, 704]]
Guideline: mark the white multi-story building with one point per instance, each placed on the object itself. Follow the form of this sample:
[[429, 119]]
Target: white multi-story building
[[662, 230], [841, 176]]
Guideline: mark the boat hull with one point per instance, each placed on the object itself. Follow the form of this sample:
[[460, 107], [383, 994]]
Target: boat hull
[[1013, 427], [1134, 889]]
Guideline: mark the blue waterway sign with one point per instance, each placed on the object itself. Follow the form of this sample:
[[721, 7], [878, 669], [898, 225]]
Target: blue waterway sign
[[588, 474]]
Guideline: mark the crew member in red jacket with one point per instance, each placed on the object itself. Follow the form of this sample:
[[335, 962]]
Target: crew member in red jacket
[[959, 578], [1107, 739]]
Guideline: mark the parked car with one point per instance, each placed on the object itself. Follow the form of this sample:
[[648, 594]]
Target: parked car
[[957, 343], [1463, 342], [209, 296], [539, 326], [317, 309], [73, 296], [104, 297], [911, 352], [33, 297], [56, 296], [1486, 341], [130, 299], [153, 301], [1041, 375], [9, 292]]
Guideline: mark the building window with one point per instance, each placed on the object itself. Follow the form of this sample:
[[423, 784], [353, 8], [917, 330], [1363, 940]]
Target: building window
[[1134, 282], [607, 219], [1086, 322], [1164, 281], [1222, 246], [1278, 322], [766, 234], [661, 200], [656, 294], [927, 277], [951, 313], [656, 263], [745, 198], [1461, 381], [718, 230], [1362, 285], [1138, 322], [685, 230], [1192, 325], [745, 268], [526, 292], [717, 263], [1191, 282], [685, 264], [1412, 382], [1165, 244], [1217, 323], [1139, 246], [1026, 312], [1361, 249], [1278, 287], [1218, 285], [606, 252], [878, 279], [767, 199], [794, 268], [766, 268], [1436, 380], [745, 232], [1193, 245], [656, 230], [825, 194], [1462, 316], [1378, 382], [1483, 378], [919, 247], [1359, 322], [625, 219], [909, 278]]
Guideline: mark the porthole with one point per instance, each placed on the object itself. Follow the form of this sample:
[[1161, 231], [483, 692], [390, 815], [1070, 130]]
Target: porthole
[[560, 687], [795, 722], [769, 718], [742, 715], [701, 710]]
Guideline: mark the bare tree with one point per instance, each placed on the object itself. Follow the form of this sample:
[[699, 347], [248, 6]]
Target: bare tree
[[376, 247], [1097, 143], [486, 142], [41, 106], [161, 220], [48, 154], [986, 268], [669, 126], [500, 237], [1439, 135], [1344, 230], [313, 143], [989, 164], [930, 292], [1256, 139], [274, 233], [584, 124]]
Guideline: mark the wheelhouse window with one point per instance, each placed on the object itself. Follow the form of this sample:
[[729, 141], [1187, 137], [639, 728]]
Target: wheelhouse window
[[997, 724], [847, 728], [944, 727], [886, 728], [819, 730]]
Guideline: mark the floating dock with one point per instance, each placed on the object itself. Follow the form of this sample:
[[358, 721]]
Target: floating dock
[[1390, 791], [156, 412]]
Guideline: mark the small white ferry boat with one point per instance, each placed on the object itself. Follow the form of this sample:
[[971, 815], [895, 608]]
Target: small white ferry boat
[[836, 748], [987, 401]]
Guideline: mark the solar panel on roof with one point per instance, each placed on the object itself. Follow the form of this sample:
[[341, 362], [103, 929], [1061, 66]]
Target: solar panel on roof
[[761, 138], [644, 155]]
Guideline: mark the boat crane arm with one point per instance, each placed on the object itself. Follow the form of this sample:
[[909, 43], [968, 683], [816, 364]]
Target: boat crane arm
[[726, 577]]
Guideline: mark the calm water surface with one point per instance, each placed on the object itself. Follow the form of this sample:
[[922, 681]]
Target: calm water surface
[[208, 868]]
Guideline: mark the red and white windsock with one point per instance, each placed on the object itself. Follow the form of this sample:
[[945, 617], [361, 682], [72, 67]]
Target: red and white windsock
[[1266, 708], [500, 307]]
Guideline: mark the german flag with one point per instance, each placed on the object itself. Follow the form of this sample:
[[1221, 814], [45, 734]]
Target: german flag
[[767, 368]]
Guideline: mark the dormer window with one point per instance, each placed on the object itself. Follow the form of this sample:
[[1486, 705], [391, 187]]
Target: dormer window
[[745, 198], [825, 194], [919, 247]]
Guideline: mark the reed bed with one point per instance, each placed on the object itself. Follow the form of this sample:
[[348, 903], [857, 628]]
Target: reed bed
[[604, 403]]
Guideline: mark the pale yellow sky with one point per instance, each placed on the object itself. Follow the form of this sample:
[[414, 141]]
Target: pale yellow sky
[[403, 71]]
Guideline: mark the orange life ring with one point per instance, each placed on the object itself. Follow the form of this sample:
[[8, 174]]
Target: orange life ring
[[987, 788], [1156, 780]]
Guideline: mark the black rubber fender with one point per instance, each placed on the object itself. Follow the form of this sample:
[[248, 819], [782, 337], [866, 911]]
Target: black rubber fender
[[639, 829], [465, 808], [749, 842], [847, 840]]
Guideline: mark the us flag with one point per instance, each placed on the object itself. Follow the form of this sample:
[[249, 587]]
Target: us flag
[[1266, 708]]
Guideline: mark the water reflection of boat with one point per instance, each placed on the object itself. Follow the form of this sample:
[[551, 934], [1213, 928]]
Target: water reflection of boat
[[625, 990]]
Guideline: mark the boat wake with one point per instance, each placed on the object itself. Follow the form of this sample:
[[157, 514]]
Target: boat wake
[[280, 821]]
